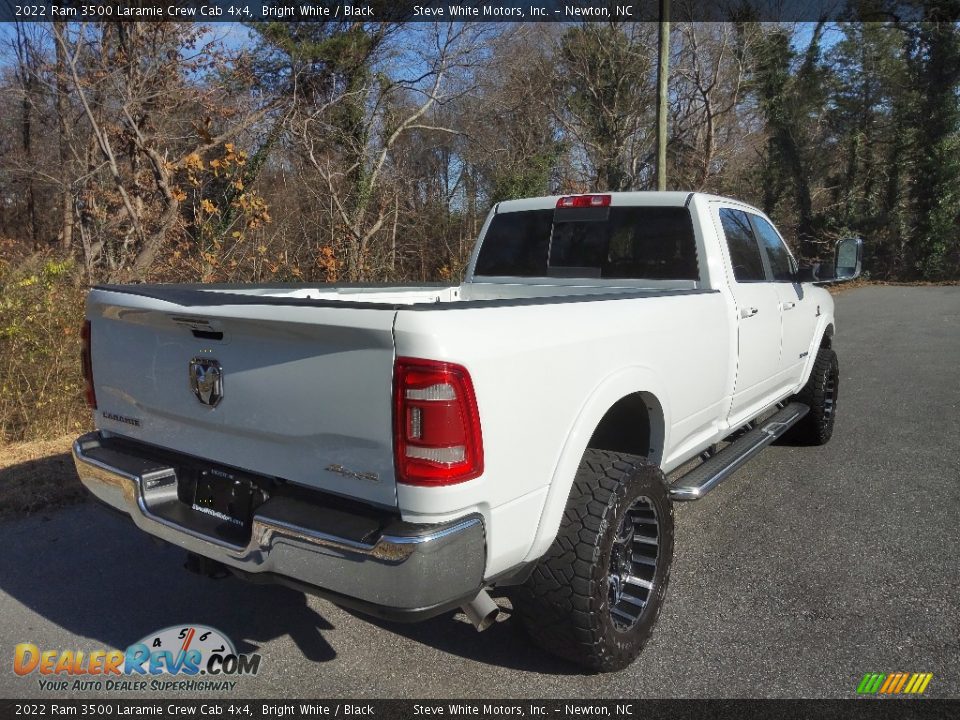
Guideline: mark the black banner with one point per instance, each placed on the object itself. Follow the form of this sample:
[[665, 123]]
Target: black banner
[[208, 11], [556, 709]]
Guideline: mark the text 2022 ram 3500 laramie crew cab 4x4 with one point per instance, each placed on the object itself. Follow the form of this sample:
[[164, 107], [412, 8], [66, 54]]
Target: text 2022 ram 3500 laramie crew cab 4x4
[[402, 450]]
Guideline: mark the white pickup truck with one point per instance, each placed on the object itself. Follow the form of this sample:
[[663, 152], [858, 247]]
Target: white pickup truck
[[404, 450]]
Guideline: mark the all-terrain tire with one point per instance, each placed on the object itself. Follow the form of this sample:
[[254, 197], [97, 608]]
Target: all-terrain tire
[[820, 394], [576, 602]]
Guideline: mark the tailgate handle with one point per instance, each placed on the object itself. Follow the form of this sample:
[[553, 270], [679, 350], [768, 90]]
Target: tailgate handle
[[207, 334]]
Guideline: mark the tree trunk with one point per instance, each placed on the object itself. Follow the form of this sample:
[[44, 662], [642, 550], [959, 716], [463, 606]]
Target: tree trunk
[[64, 130], [26, 137]]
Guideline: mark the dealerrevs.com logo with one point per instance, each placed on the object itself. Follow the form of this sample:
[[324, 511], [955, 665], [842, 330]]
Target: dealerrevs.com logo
[[181, 657]]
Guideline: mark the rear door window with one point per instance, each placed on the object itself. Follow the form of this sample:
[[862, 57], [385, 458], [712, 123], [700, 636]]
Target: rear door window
[[744, 250]]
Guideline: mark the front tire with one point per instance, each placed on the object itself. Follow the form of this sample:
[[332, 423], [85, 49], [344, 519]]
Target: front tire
[[597, 593], [820, 394]]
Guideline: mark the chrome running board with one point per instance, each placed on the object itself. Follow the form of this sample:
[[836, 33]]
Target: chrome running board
[[706, 476]]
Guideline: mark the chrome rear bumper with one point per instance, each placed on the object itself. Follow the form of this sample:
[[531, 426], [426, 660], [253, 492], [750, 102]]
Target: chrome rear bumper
[[396, 570]]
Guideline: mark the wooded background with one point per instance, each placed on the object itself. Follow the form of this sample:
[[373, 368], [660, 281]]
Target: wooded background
[[342, 152]]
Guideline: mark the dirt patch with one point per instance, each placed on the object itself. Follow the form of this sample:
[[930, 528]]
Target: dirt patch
[[862, 282], [850, 285], [37, 477]]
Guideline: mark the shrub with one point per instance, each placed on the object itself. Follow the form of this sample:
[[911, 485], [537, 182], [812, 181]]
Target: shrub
[[41, 384]]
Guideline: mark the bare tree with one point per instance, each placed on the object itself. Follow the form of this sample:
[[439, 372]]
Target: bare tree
[[27, 72], [708, 87], [147, 123], [605, 99], [354, 177]]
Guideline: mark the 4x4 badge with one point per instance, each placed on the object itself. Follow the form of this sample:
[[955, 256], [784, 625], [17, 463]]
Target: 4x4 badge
[[206, 380]]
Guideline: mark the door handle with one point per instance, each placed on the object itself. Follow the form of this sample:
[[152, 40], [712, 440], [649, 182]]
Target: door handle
[[748, 312], [789, 305]]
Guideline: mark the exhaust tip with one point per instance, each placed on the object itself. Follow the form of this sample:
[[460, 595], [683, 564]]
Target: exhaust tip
[[482, 611]]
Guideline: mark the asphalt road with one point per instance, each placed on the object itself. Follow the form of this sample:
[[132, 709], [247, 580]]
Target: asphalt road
[[806, 570]]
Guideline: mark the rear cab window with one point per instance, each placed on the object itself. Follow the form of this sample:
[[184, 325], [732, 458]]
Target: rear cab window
[[623, 243]]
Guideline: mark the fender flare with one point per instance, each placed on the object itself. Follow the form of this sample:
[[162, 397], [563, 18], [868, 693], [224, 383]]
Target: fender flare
[[615, 387], [826, 327]]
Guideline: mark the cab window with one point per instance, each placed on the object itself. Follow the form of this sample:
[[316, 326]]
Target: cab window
[[744, 251], [781, 263]]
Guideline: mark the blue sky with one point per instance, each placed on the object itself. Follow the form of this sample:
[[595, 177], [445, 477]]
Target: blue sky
[[235, 35]]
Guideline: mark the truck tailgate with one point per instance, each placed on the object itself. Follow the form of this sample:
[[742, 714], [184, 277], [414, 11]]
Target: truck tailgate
[[306, 391]]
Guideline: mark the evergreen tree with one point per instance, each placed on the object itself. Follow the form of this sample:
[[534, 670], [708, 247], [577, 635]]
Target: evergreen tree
[[791, 90], [869, 83], [935, 152]]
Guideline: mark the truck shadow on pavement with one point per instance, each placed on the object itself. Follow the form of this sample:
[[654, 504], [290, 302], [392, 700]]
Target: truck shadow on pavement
[[505, 644], [95, 575], [90, 572]]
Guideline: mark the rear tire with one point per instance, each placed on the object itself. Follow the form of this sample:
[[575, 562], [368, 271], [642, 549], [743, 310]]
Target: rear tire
[[820, 394], [597, 593]]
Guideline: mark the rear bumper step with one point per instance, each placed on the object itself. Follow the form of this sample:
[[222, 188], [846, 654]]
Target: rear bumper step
[[400, 570], [705, 477]]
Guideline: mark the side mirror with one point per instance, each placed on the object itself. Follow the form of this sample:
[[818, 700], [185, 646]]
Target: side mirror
[[848, 259], [847, 264]]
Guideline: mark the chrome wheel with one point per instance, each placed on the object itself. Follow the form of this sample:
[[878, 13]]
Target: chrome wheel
[[633, 564]]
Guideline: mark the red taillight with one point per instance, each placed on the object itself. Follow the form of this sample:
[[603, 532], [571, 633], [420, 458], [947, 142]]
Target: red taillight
[[436, 426], [87, 364], [583, 201]]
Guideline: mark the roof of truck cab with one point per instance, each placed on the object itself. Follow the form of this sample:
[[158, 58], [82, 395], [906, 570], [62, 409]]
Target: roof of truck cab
[[669, 198]]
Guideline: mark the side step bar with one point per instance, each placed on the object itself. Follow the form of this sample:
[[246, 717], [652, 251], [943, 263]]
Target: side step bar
[[706, 476]]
